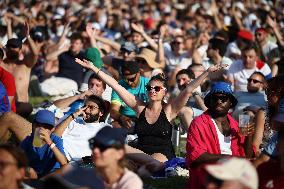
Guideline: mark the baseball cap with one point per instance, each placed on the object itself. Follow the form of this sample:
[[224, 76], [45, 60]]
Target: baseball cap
[[245, 34], [93, 55], [45, 117], [221, 88], [130, 67], [14, 43], [38, 34], [235, 169], [108, 137], [128, 46]]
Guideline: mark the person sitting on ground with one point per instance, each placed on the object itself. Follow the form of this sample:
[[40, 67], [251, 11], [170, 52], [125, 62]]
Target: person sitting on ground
[[215, 134], [231, 173], [80, 126], [44, 148], [153, 125], [108, 152]]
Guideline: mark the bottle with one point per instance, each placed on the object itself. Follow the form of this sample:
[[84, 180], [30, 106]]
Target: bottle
[[37, 142]]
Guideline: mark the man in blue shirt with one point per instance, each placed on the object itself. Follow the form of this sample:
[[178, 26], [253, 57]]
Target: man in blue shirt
[[133, 82], [43, 148]]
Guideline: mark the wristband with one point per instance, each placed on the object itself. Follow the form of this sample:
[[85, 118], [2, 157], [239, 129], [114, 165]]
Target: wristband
[[52, 145], [195, 93], [98, 72], [72, 115]]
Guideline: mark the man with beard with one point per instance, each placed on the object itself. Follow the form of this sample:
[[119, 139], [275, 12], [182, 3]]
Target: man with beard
[[80, 126], [215, 134], [19, 62]]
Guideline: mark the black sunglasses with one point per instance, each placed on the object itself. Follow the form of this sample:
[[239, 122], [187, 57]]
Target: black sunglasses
[[254, 80], [222, 98], [156, 88], [131, 79], [94, 144]]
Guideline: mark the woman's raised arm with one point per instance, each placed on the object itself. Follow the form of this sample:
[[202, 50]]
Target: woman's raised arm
[[131, 100]]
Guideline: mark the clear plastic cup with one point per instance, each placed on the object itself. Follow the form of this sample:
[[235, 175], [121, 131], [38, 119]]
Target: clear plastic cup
[[244, 120], [37, 142]]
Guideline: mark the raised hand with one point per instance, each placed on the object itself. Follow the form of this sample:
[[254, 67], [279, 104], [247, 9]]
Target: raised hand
[[85, 63], [163, 30], [270, 22], [27, 28], [217, 67], [7, 19], [44, 134], [89, 30], [137, 28]]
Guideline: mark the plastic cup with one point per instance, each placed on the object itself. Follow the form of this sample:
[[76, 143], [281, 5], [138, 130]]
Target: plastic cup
[[244, 120], [37, 142]]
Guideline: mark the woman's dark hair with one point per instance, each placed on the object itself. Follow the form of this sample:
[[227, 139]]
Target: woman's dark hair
[[188, 72], [17, 153], [160, 77]]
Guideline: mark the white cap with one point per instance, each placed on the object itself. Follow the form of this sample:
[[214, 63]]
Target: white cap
[[236, 169]]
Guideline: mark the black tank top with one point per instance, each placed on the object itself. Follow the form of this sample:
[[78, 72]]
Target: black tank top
[[156, 137]]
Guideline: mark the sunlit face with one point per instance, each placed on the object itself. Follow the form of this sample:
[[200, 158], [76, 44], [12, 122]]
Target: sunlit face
[[92, 112], [106, 158], [255, 83], [260, 36], [127, 55], [182, 81], [9, 172], [76, 46], [97, 86], [178, 45], [156, 90], [137, 38], [132, 80], [249, 58]]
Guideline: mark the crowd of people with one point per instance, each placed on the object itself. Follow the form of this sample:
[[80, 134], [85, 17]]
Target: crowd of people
[[122, 78]]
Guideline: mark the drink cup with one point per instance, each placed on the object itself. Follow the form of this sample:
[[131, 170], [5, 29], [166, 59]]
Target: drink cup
[[37, 142], [244, 120]]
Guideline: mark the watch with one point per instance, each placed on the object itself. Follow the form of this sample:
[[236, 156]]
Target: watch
[[195, 93]]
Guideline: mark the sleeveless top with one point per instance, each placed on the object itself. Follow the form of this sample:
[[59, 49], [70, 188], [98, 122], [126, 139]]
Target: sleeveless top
[[156, 137]]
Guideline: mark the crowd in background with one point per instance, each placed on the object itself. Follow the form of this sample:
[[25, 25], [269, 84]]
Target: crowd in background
[[122, 78]]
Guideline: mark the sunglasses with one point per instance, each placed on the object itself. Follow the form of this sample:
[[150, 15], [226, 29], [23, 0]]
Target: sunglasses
[[156, 88], [176, 42], [253, 80], [222, 98], [94, 144], [131, 79]]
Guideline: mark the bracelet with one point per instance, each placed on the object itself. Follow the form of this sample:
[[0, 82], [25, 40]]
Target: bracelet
[[195, 93], [72, 115], [52, 146], [98, 72]]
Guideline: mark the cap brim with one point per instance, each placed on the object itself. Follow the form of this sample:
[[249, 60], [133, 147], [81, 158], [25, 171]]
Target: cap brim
[[220, 172]]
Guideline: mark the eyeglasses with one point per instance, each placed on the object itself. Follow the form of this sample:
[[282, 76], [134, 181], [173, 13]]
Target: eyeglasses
[[132, 79], [156, 88], [222, 98], [123, 51], [93, 107], [95, 144], [4, 164], [254, 80]]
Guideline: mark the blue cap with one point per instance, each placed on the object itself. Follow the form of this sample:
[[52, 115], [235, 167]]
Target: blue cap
[[221, 88], [128, 46], [45, 117], [109, 136]]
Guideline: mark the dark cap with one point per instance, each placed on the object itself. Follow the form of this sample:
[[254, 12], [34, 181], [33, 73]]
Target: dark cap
[[38, 34], [45, 117], [109, 136], [130, 67], [14, 43]]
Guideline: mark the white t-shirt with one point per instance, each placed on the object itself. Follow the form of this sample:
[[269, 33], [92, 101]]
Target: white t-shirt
[[240, 74], [76, 136], [232, 48], [129, 180], [225, 142]]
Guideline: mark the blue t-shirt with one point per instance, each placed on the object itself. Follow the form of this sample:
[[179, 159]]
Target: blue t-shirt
[[271, 148], [4, 101], [42, 159], [140, 92]]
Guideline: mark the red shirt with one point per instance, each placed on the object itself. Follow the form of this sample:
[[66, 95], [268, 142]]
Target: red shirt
[[270, 175], [9, 82], [202, 137]]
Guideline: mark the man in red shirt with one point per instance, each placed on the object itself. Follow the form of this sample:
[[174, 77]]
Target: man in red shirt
[[214, 134], [9, 82]]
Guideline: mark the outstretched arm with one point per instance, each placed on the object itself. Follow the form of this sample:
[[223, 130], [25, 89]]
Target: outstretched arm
[[130, 100], [174, 107]]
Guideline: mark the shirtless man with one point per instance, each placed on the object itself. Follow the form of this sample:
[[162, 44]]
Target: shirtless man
[[19, 61]]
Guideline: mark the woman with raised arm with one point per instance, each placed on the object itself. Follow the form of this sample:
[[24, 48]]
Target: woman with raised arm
[[153, 126]]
